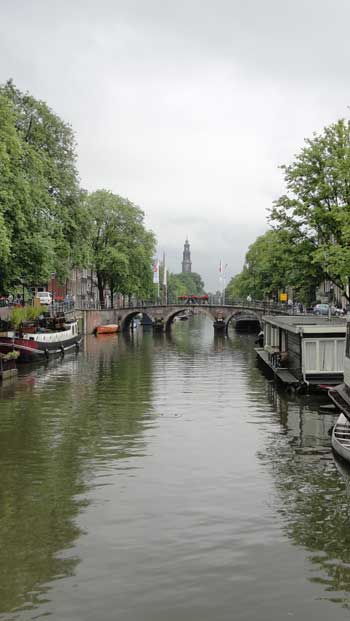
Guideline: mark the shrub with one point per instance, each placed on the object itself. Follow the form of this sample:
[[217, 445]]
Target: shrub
[[25, 313]]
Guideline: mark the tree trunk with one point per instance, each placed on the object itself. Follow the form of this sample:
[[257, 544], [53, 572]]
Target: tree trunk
[[101, 290]]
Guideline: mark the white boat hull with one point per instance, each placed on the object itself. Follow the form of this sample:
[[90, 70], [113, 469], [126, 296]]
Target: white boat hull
[[341, 437]]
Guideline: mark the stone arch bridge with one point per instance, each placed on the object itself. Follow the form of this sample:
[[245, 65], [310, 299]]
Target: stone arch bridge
[[162, 316]]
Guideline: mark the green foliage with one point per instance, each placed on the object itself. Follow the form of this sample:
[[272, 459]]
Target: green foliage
[[276, 260], [185, 283], [240, 286], [316, 208], [311, 238], [121, 247], [42, 224], [25, 313], [11, 355]]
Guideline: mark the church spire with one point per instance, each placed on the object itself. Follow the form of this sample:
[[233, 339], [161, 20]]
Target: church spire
[[186, 258]]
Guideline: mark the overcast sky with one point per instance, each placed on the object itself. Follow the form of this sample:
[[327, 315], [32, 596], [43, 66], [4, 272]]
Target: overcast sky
[[185, 107]]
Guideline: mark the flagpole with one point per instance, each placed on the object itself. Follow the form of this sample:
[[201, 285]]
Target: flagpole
[[165, 285], [224, 284]]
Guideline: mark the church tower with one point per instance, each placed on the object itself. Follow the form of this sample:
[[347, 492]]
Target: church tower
[[186, 258]]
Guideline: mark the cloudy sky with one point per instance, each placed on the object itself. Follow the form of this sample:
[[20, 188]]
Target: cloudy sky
[[187, 108]]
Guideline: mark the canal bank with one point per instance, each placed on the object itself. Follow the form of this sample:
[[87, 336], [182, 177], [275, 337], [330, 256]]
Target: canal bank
[[154, 477]]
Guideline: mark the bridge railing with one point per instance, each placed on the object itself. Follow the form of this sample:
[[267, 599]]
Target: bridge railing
[[264, 306]]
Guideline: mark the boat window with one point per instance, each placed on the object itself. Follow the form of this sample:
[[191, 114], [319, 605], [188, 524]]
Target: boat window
[[310, 355], [326, 355], [275, 337], [340, 349]]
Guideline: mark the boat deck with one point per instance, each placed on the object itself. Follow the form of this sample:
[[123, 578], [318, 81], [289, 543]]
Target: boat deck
[[284, 375], [340, 396]]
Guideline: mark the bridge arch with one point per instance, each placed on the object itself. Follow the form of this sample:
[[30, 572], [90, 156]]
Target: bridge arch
[[169, 319], [125, 321], [242, 312]]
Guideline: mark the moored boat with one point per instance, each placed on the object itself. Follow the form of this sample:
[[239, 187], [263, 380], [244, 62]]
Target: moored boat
[[111, 328], [341, 437], [304, 352], [40, 342]]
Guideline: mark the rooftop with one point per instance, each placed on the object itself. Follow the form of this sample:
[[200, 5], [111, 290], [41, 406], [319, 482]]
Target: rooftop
[[307, 323]]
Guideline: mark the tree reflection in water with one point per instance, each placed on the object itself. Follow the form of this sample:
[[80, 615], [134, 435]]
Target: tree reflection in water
[[56, 422], [313, 487], [314, 502]]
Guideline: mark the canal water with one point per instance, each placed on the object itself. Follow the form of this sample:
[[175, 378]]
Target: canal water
[[153, 477]]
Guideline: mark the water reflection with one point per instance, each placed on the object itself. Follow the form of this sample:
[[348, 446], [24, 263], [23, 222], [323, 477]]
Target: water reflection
[[193, 465], [312, 500], [56, 421]]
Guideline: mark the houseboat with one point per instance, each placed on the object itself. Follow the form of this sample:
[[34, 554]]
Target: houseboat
[[340, 396], [304, 351], [40, 341]]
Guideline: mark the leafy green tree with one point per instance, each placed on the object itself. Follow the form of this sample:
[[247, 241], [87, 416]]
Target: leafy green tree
[[9, 153], [276, 260], [316, 208], [42, 224], [121, 247], [189, 283], [240, 286]]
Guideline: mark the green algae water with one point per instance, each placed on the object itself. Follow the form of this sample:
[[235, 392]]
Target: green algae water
[[153, 477]]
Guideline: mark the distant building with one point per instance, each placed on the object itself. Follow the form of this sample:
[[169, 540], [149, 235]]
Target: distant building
[[186, 259]]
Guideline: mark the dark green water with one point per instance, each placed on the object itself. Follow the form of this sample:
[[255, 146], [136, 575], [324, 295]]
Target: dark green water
[[152, 478]]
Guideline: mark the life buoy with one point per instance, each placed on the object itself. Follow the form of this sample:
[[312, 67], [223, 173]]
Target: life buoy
[[290, 390]]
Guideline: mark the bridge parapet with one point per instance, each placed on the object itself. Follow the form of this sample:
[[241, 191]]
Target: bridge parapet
[[162, 316]]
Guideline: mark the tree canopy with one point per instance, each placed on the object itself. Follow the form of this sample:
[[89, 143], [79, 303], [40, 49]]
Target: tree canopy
[[121, 248], [184, 283], [47, 222], [41, 215], [310, 237], [275, 261], [316, 207]]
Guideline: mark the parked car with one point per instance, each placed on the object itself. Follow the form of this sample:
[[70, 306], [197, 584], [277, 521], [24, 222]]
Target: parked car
[[45, 297], [322, 309]]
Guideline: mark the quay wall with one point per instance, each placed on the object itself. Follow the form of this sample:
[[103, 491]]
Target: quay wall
[[90, 319]]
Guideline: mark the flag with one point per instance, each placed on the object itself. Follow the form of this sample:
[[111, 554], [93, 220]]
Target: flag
[[156, 272], [164, 272], [220, 267]]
